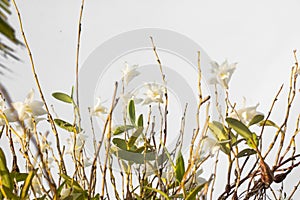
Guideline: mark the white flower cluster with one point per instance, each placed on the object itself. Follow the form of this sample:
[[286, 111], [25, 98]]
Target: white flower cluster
[[154, 92], [22, 111]]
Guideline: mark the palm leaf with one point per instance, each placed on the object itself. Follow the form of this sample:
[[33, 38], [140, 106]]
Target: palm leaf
[[8, 38]]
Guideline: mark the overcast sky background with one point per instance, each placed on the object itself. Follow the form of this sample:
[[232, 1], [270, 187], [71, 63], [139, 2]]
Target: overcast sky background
[[259, 35]]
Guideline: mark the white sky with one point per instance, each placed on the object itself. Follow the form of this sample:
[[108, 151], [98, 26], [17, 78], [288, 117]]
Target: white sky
[[259, 35]]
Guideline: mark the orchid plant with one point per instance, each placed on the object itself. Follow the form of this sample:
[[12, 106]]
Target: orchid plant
[[159, 172]]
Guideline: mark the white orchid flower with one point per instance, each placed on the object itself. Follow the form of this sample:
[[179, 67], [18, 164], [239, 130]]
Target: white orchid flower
[[222, 73], [246, 114], [129, 72], [155, 93], [210, 146], [131, 95], [99, 109], [29, 108]]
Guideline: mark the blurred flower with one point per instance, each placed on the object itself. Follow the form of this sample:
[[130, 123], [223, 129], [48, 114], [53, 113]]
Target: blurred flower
[[154, 93], [246, 114], [87, 162], [10, 116], [99, 109], [210, 145], [65, 192], [129, 72], [80, 141], [197, 181], [21, 132], [168, 174], [29, 108], [36, 184], [222, 73], [50, 162], [45, 144], [29, 123], [2, 104]]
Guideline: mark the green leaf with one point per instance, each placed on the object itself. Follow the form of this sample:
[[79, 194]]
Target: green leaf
[[192, 195], [244, 131], [177, 196], [221, 132], [268, 123], [239, 127], [27, 183], [72, 183], [128, 155], [135, 136], [4, 173], [218, 130], [62, 97], [131, 111], [64, 125], [256, 119], [158, 191], [246, 152], [253, 142], [221, 135], [138, 158], [8, 31], [140, 121], [97, 197], [122, 129], [179, 167], [122, 144], [5, 7], [18, 176], [225, 147], [140, 149], [72, 92], [60, 188], [8, 194], [238, 141]]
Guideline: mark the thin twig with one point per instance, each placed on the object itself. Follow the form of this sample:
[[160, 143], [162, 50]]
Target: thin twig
[[166, 90], [214, 175], [62, 167], [264, 124], [294, 191], [109, 119], [77, 56]]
